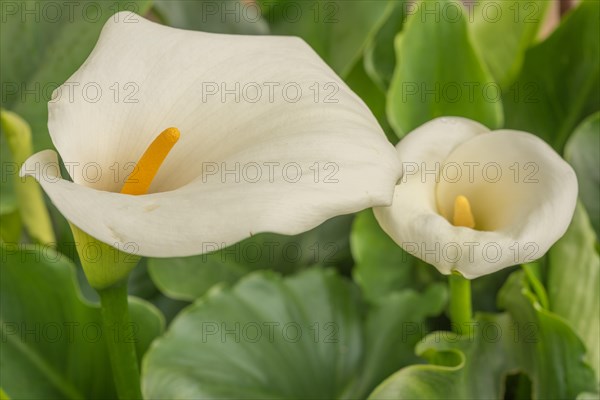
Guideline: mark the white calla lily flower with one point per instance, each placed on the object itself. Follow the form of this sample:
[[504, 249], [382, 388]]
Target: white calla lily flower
[[268, 137], [476, 201]]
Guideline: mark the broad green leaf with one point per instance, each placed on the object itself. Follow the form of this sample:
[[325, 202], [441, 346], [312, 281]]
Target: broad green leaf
[[439, 73], [503, 30], [392, 332], [28, 192], [41, 45], [52, 339], [188, 278], [371, 94], [485, 288], [476, 363], [574, 283], [546, 345], [10, 227], [338, 30], [583, 153], [10, 220], [559, 84], [535, 273], [304, 336], [8, 200], [380, 56], [221, 16], [469, 366], [588, 396], [64, 235], [382, 267]]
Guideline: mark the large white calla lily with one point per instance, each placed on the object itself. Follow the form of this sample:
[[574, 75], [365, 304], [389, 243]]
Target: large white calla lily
[[476, 201], [270, 139]]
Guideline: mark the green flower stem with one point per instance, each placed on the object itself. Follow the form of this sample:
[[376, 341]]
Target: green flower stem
[[461, 314], [120, 341], [108, 274]]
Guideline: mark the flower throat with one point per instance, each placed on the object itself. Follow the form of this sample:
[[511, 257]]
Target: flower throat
[[463, 216]]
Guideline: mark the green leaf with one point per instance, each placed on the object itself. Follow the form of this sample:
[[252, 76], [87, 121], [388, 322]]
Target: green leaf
[[503, 30], [469, 366], [8, 200], [41, 48], [382, 267], [583, 153], [52, 341], [574, 283], [188, 278], [438, 72], [28, 192], [10, 227], [547, 347], [392, 331], [380, 56], [141, 285], [10, 220], [304, 336], [535, 275], [475, 364], [559, 84], [371, 94], [221, 16], [337, 30]]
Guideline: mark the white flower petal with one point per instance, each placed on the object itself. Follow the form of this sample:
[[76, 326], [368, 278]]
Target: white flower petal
[[152, 77], [413, 216], [516, 221], [198, 200], [199, 217], [521, 189]]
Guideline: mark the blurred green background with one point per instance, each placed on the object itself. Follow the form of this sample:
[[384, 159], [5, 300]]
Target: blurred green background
[[535, 66]]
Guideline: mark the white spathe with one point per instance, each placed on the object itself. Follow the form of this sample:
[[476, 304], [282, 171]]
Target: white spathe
[[522, 195], [271, 140]]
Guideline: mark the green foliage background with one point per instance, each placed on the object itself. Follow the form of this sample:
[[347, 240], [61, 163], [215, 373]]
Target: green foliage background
[[372, 317]]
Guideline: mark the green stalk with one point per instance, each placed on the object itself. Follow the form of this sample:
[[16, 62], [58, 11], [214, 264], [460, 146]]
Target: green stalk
[[108, 275], [460, 302], [120, 341]]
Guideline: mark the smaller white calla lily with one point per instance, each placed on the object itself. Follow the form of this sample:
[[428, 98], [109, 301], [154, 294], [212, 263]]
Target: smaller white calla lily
[[258, 149], [475, 201]]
